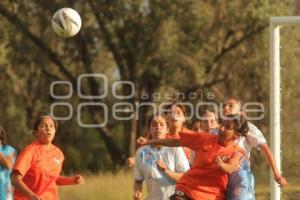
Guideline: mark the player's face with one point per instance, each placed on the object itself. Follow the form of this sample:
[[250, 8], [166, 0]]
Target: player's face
[[197, 126], [46, 131], [209, 122], [228, 127], [158, 127], [176, 116], [231, 106]]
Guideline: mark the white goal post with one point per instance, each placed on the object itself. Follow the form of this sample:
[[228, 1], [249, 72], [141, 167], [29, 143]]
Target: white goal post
[[275, 103]]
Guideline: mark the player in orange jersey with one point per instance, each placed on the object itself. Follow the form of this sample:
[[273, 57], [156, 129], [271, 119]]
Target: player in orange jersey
[[36, 173], [216, 156]]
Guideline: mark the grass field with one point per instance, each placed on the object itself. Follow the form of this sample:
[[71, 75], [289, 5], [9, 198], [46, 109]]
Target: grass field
[[119, 186], [103, 186]]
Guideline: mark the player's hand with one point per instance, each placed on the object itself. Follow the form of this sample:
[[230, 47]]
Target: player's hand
[[137, 196], [161, 165], [219, 161], [2, 156], [280, 180], [78, 180], [130, 162], [35, 197], [142, 141]]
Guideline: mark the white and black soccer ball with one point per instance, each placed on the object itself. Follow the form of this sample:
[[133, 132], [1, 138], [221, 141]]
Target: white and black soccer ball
[[66, 22]]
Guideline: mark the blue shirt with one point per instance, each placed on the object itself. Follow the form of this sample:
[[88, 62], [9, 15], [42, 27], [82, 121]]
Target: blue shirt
[[6, 192]]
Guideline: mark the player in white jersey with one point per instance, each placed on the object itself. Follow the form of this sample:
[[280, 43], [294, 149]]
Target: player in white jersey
[[241, 183], [159, 166]]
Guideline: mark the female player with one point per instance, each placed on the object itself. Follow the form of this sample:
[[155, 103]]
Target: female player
[[210, 122], [7, 159], [36, 173], [160, 166], [196, 125], [176, 117], [241, 182], [216, 156]]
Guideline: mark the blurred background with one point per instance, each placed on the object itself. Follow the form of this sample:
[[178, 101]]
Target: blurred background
[[162, 47]]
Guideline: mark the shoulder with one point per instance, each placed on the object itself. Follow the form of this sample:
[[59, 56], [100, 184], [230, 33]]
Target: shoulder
[[28, 153], [32, 147], [208, 136], [142, 150], [238, 149], [255, 134], [9, 149], [194, 140], [253, 129], [57, 150], [251, 125]]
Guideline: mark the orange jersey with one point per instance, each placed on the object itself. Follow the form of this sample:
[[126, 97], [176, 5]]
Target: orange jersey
[[187, 151], [206, 180], [40, 169]]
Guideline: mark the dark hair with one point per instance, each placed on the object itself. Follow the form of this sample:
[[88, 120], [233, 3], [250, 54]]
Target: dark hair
[[170, 104], [193, 124], [208, 112], [148, 124], [195, 121], [40, 119], [3, 136], [240, 123], [235, 99], [151, 117]]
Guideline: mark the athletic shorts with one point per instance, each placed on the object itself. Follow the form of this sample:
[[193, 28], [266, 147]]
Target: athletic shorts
[[241, 184], [179, 195]]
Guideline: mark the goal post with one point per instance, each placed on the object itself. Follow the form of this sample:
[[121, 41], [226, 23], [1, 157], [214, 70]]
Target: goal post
[[275, 102]]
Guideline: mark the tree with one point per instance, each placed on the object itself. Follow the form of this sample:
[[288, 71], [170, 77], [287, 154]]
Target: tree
[[175, 45]]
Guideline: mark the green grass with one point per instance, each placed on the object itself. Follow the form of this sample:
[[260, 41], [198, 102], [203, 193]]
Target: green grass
[[102, 186], [291, 192], [119, 186]]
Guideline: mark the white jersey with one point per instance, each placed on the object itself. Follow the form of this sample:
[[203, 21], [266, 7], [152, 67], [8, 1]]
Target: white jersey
[[254, 138], [160, 186]]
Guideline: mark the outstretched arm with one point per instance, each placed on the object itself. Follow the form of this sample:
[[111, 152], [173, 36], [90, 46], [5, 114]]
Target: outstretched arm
[[164, 142], [271, 161], [73, 180]]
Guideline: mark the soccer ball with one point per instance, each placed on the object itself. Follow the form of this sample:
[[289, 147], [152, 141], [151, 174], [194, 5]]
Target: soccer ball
[[66, 22]]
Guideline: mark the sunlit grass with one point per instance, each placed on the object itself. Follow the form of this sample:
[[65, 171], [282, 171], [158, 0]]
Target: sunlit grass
[[119, 186], [103, 186], [292, 191]]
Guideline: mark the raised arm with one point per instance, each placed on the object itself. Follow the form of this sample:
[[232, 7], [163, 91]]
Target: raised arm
[[163, 142], [73, 180], [271, 161]]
